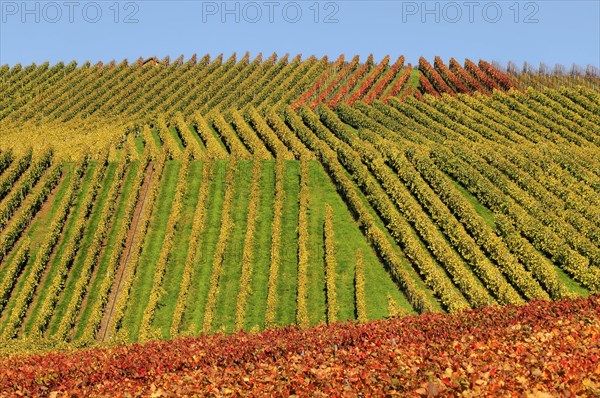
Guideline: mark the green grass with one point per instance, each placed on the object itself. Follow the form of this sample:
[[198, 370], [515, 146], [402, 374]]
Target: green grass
[[86, 241], [176, 264], [402, 300], [348, 239], [176, 137], [139, 145], [194, 314], [413, 80], [315, 272], [259, 284], [229, 284], [483, 211], [323, 192], [142, 284], [288, 269], [117, 221], [41, 226], [156, 138], [572, 286]]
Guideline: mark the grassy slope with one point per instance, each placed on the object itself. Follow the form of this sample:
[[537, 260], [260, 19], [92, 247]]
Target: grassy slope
[[156, 138], [139, 145], [176, 264], [316, 265], [288, 270], [229, 283], [397, 294], [257, 299], [348, 238], [142, 284], [400, 297], [192, 319]]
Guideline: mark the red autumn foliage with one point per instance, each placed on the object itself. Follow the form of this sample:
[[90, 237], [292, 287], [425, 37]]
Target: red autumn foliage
[[466, 77], [426, 86], [540, 348], [332, 103], [409, 92], [360, 72], [495, 74], [478, 74], [368, 82], [399, 84], [352, 80], [383, 82], [315, 88], [434, 77], [449, 76], [339, 78]]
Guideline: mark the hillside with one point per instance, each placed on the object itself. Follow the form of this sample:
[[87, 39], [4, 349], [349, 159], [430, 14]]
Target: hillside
[[153, 200]]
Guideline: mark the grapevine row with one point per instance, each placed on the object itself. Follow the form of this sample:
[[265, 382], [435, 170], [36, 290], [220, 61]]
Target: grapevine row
[[330, 265], [248, 251], [217, 264], [194, 249]]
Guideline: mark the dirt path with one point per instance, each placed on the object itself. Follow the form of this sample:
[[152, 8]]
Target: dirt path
[[123, 270]]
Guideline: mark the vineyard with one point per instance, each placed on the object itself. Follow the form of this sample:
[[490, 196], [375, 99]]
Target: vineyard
[[157, 199]]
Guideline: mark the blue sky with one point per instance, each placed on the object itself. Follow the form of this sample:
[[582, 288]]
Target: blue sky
[[552, 32]]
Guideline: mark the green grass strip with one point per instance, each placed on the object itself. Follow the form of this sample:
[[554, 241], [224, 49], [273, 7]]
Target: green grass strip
[[259, 285], [142, 284], [194, 314], [229, 282], [173, 276], [288, 271]]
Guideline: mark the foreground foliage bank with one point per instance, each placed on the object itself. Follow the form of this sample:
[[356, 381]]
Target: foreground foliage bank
[[542, 347]]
